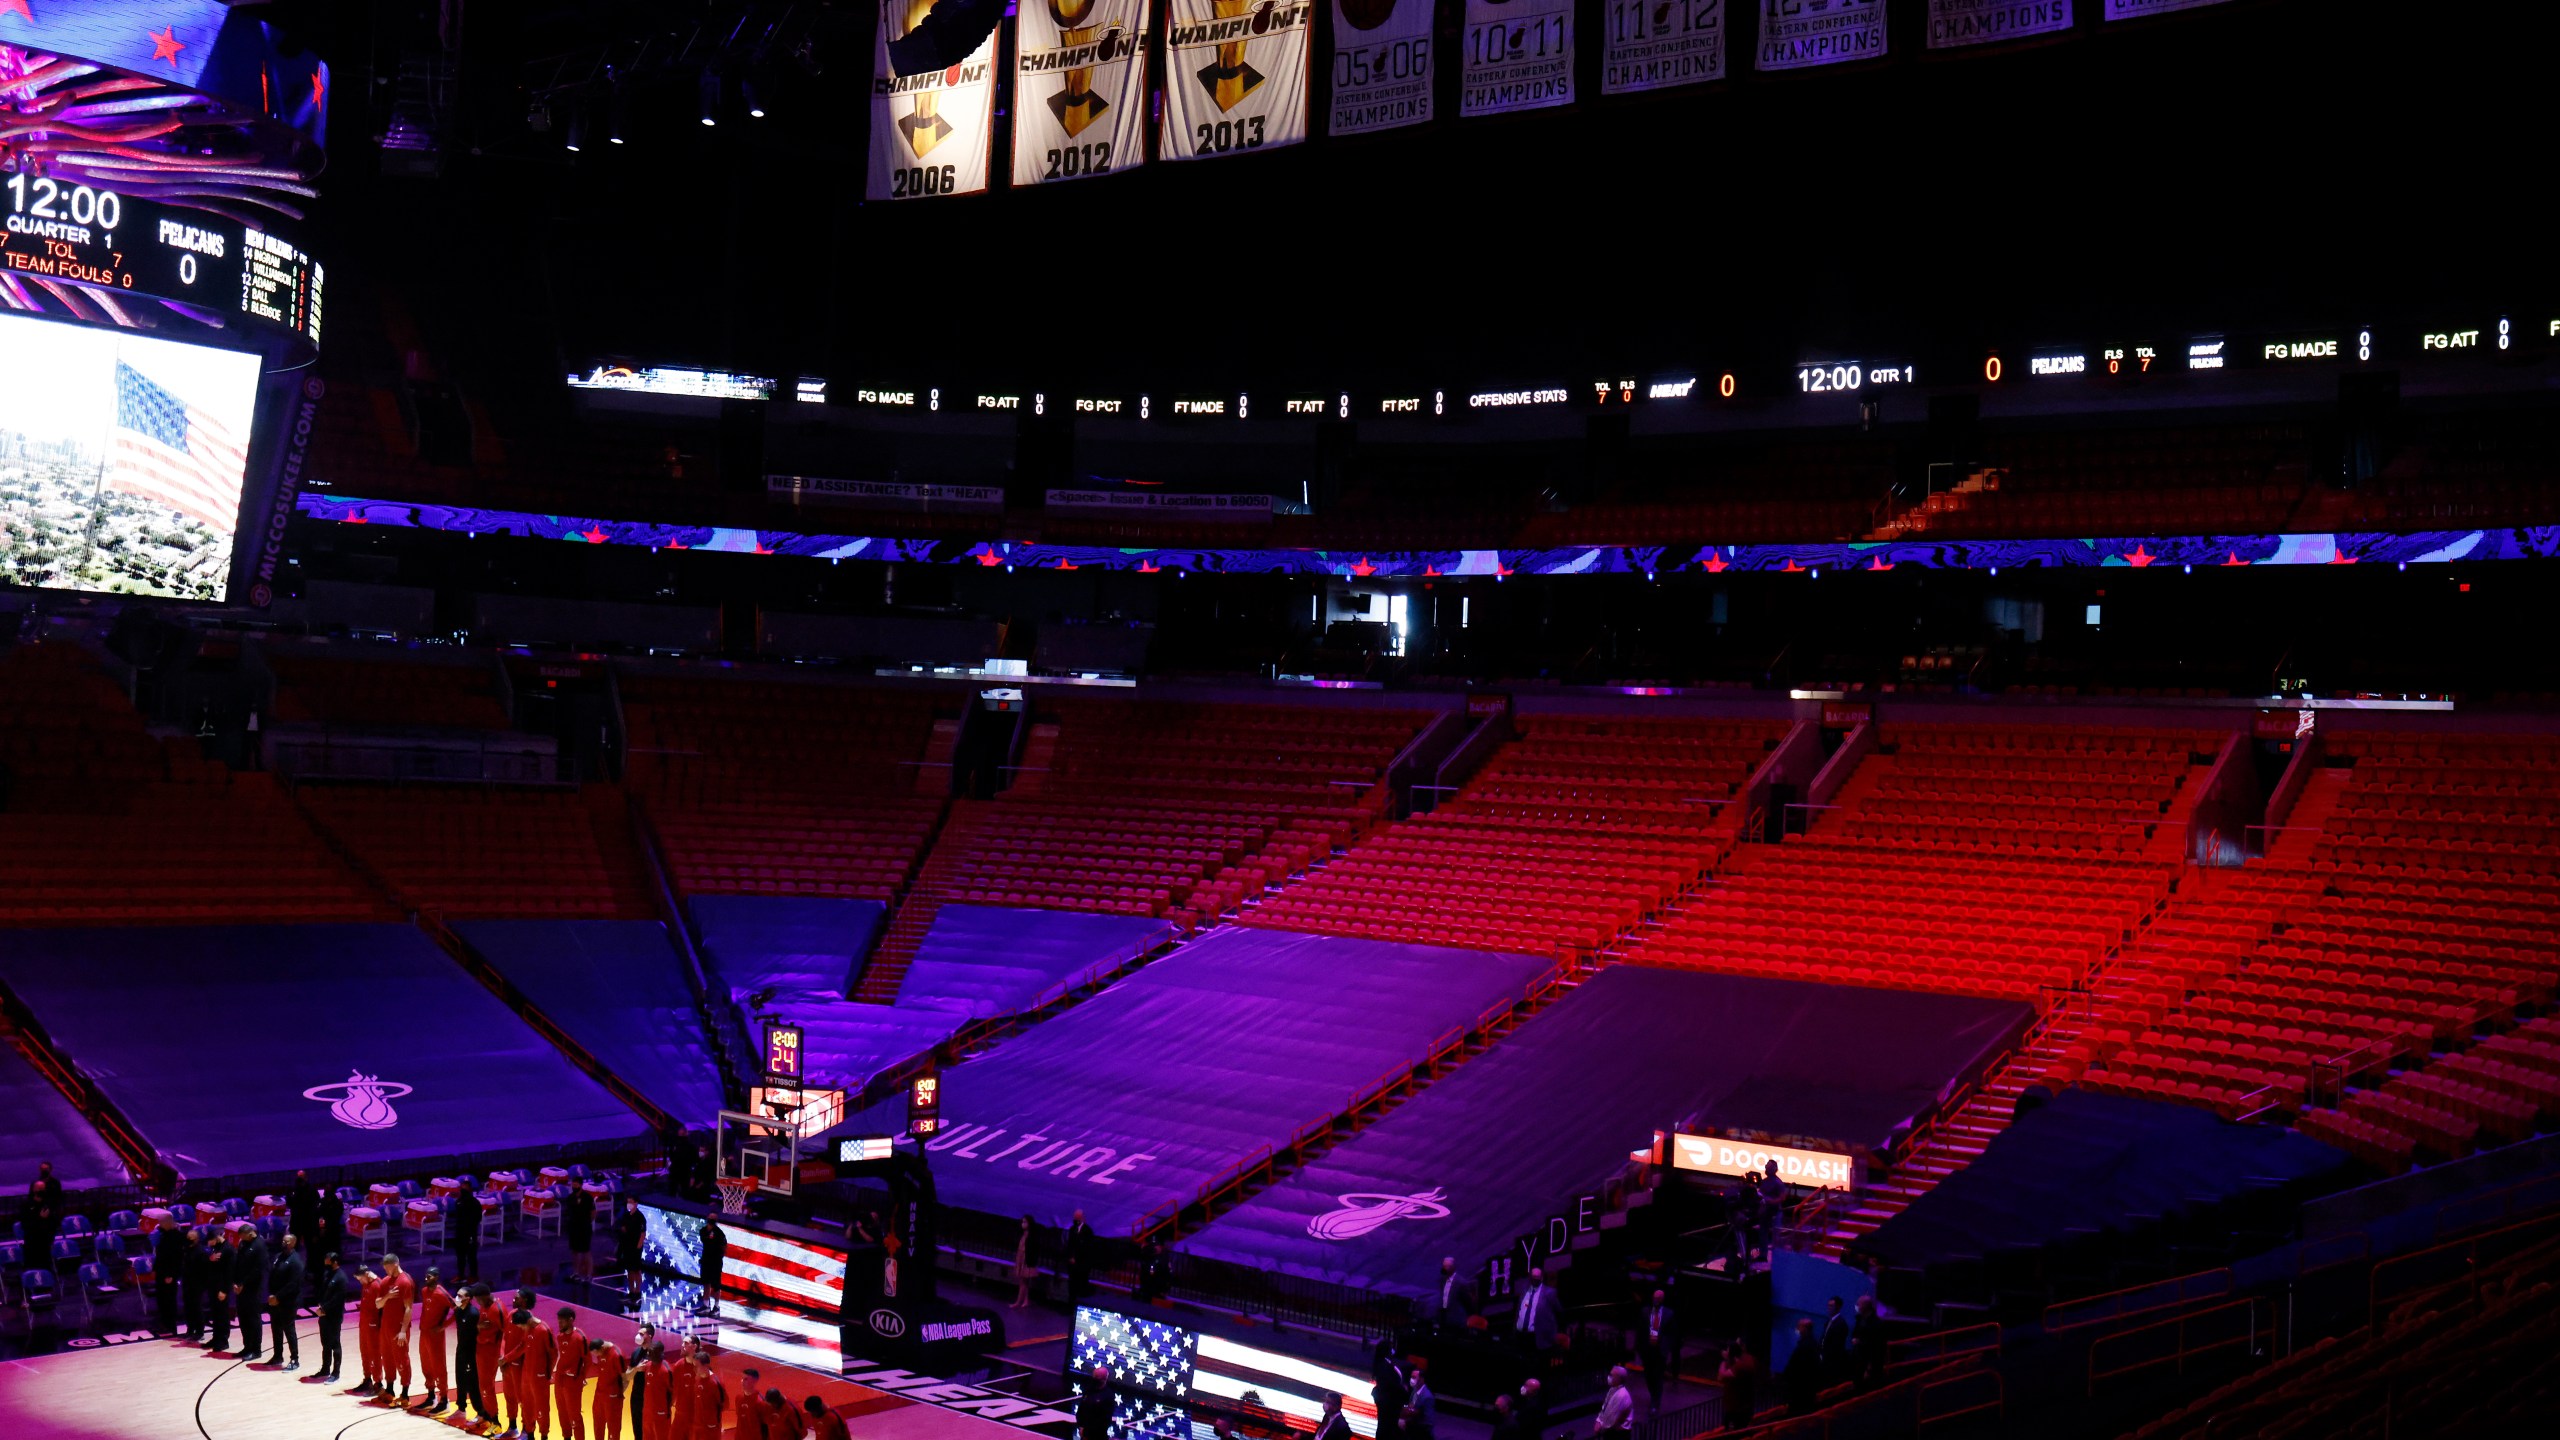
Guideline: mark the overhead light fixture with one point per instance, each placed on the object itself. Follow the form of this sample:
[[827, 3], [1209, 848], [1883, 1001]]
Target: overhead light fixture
[[753, 94], [614, 114], [710, 95], [577, 136]]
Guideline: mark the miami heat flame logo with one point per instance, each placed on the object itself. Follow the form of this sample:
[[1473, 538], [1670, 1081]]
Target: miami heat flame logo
[[362, 1101], [1362, 1213]]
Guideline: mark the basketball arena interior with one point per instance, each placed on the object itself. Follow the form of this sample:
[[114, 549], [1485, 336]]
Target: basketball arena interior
[[1278, 719]]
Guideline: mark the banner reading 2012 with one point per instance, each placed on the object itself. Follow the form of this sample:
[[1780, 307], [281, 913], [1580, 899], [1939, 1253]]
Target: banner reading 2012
[[1656, 44], [928, 132], [1235, 76], [1518, 56], [1381, 65], [1079, 89]]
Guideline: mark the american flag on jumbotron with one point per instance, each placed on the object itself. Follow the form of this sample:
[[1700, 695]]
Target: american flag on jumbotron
[[772, 1273], [167, 450]]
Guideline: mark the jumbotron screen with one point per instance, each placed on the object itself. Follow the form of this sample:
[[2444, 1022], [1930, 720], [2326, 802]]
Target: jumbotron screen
[[121, 460]]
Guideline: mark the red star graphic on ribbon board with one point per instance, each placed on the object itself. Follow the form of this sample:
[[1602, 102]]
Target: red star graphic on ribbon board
[[2234, 560], [165, 45], [1716, 563], [319, 90], [678, 545], [2342, 559], [2140, 556], [18, 7], [1146, 569], [989, 558], [593, 535], [1364, 567], [1065, 564], [1878, 564], [1429, 570], [763, 549], [1793, 568]]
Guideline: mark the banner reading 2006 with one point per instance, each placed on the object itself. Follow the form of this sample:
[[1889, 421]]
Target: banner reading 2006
[[1381, 64], [1519, 56], [1795, 34], [1235, 75], [1656, 44], [1079, 89], [928, 132]]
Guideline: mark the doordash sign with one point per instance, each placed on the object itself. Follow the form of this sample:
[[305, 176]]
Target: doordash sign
[[1716, 1155]]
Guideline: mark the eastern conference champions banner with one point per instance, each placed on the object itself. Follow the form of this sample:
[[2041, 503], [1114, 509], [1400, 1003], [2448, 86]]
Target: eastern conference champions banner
[[1381, 65], [1079, 88], [1519, 56], [2136, 9], [1235, 75], [1797, 34], [1954, 24], [928, 132], [1656, 44]]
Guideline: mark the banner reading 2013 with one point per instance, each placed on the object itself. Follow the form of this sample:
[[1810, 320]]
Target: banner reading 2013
[[928, 132], [1519, 56], [1656, 44], [1079, 89], [1235, 76], [1381, 65]]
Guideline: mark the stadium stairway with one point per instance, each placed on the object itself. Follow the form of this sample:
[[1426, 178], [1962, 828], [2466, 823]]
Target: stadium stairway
[[911, 918]]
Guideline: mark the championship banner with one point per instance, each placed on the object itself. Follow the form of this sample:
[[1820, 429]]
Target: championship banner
[[1381, 65], [1656, 44], [1079, 89], [2137, 9], [1519, 56], [1954, 24], [1800, 34], [928, 132], [1235, 75]]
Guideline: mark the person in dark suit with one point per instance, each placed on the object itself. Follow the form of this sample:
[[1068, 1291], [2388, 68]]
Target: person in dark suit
[[249, 1289], [41, 1220], [1093, 1412], [578, 1228], [715, 1257], [221, 1298], [1506, 1421], [1387, 1389], [628, 1232], [168, 1267], [1533, 1319], [284, 1297], [1835, 1343], [1454, 1303], [1866, 1344], [1333, 1426], [1420, 1405], [1532, 1408], [466, 1354], [302, 1213], [199, 1284], [1657, 1341], [329, 1230], [462, 1232], [330, 1295], [1079, 1248], [1803, 1375]]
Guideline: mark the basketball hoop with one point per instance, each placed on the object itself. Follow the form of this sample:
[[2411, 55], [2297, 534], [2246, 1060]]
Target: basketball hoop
[[735, 1191]]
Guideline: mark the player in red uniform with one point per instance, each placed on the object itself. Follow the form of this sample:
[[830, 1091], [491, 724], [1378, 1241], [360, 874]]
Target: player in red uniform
[[540, 1349], [392, 1341], [605, 1364], [368, 1332], [435, 1311], [782, 1419], [511, 1370], [710, 1398], [657, 1395], [824, 1424], [751, 1421], [492, 1342], [569, 1376], [683, 1380]]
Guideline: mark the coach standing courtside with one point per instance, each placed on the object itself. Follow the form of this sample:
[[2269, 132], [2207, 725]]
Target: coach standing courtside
[[199, 1272], [284, 1299], [462, 1232], [41, 1221], [249, 1288], [168, 1267], [333, 1293]]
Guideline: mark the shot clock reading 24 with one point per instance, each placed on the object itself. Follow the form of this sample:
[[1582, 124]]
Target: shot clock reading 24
[[106, 241]]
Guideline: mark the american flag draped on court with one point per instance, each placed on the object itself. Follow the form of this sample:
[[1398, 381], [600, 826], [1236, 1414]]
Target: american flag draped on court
[[167, 450]]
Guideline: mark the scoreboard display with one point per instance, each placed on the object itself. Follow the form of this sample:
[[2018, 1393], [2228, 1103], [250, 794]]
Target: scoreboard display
[[97, 238]]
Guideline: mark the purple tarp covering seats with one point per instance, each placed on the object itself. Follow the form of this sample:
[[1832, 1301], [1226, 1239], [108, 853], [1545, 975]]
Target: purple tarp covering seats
[[1482, 1156], [785, 943], [1139, 1097], [36, 1123], [618, 989], [245, 1049], [991, 960]]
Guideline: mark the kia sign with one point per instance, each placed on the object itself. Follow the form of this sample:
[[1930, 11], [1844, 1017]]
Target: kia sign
[[1716, 1155]]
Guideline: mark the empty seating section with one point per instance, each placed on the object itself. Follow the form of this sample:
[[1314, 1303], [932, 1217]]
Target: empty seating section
[[2236, 479], [103, 824], [2420, 918], [1571, 833], [1156, 808], [1976, 860], [759, 787], [473, 853], [338, 691]]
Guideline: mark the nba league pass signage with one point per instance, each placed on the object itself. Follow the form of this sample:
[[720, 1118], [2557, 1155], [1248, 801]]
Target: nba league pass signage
[[1519, 56], [1079, 88], [1799, 34], [1954, 24], [1381, 64], [1656, 44], [1235, 75], [929, 131]]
